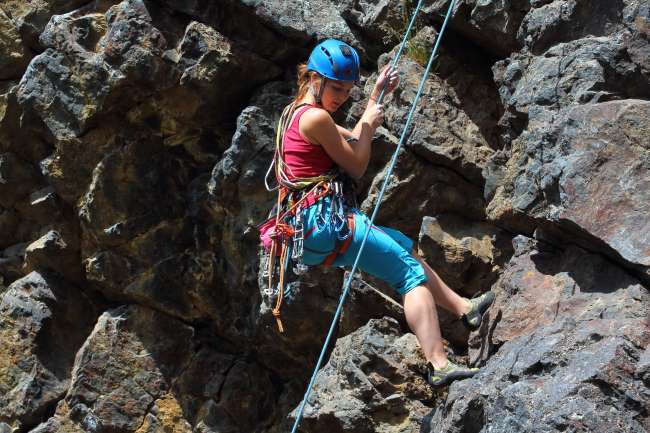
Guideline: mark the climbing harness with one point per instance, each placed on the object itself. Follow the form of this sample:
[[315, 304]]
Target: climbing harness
[[403, 137], [284, 233]]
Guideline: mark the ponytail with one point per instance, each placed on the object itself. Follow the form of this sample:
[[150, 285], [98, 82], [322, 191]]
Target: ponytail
[[303, 81]]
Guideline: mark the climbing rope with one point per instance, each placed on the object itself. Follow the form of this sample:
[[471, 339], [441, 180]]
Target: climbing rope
[[358, 282], [403, 137]]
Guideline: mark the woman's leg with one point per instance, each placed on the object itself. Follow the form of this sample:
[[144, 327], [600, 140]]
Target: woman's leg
[[422, 318], [442, 293]]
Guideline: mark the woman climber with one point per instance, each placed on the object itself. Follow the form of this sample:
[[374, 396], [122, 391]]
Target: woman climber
[[314, 223]]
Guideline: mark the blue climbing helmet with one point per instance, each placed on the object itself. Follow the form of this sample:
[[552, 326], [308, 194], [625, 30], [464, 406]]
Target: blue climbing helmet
[[335, 60]]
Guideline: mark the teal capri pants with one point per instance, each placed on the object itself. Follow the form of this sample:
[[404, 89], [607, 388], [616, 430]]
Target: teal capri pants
[[386, 255]]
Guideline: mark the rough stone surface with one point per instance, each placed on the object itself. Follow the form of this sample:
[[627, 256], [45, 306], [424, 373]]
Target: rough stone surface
[[492, 24], [43, 322], [566, 327], [373, 382], [587, 171], [134, 137], [468, 256], [127, 377], [14, 55], [30, 18], [52, 252]]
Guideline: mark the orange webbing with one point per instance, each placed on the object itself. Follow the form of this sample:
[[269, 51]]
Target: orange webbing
[[278, 302], [343, 247], [283, 233], [321, 194]]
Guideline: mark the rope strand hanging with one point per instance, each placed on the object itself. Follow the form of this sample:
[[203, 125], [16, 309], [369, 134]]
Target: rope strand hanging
[[403, 137]]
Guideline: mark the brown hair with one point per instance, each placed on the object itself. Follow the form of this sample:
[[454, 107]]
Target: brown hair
[[303, 81]]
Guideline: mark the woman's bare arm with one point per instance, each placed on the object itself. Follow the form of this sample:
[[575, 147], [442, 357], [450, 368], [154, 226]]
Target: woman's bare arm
[[318, 127]]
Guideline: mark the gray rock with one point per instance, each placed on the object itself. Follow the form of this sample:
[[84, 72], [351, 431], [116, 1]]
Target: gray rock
[[124, 367], [491, 24], [46, 321], [566, 20], [51, 252], [17, 179], [141, 370], [30, 18], [318, 19], [372, 382], [584, 71], [449, 127], [378, 24], [96, 63], [643, 367], [152, 178], [573, 171], [213, 64], [567, 327], [468, 256]]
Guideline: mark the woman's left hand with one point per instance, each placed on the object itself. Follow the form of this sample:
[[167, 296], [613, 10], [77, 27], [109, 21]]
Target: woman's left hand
[[389, 78]]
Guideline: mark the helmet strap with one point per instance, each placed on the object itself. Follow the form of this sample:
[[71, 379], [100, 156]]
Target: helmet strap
[[321, 90]]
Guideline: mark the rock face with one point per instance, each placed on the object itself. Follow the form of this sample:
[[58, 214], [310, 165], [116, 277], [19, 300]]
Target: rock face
[[568, 331], [134, 139], [379, 388], [43, 321], [592, 172]]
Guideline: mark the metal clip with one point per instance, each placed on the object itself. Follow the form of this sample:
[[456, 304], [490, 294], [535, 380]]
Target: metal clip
[[321, 221], [291, 291], [298, 237], [300, 268]]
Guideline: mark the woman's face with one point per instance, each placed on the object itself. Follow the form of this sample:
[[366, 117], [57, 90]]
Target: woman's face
[[335, 94]]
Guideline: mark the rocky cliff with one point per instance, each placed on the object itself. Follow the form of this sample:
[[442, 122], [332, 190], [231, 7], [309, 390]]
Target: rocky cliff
[[134, 137]]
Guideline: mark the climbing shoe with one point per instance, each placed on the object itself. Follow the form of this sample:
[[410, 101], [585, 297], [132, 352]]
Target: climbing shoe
[[449, 373], [473, 318]]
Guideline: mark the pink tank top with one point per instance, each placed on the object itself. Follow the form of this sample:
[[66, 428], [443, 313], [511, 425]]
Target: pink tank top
[[303, 158]]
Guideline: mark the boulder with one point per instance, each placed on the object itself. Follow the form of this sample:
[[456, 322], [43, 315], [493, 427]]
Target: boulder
[[568, 331], [43, 322], [143, 371], [52, 252], [587, 173], [372, 382]]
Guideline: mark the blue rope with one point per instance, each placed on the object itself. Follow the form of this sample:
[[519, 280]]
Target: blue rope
[[379, 198]]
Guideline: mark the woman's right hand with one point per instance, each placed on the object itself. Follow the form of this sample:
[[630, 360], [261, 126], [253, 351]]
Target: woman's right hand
[[387, 82], [374, 115]]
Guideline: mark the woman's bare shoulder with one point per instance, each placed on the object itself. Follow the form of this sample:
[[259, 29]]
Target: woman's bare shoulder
[[316, 125], [316, 116]]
